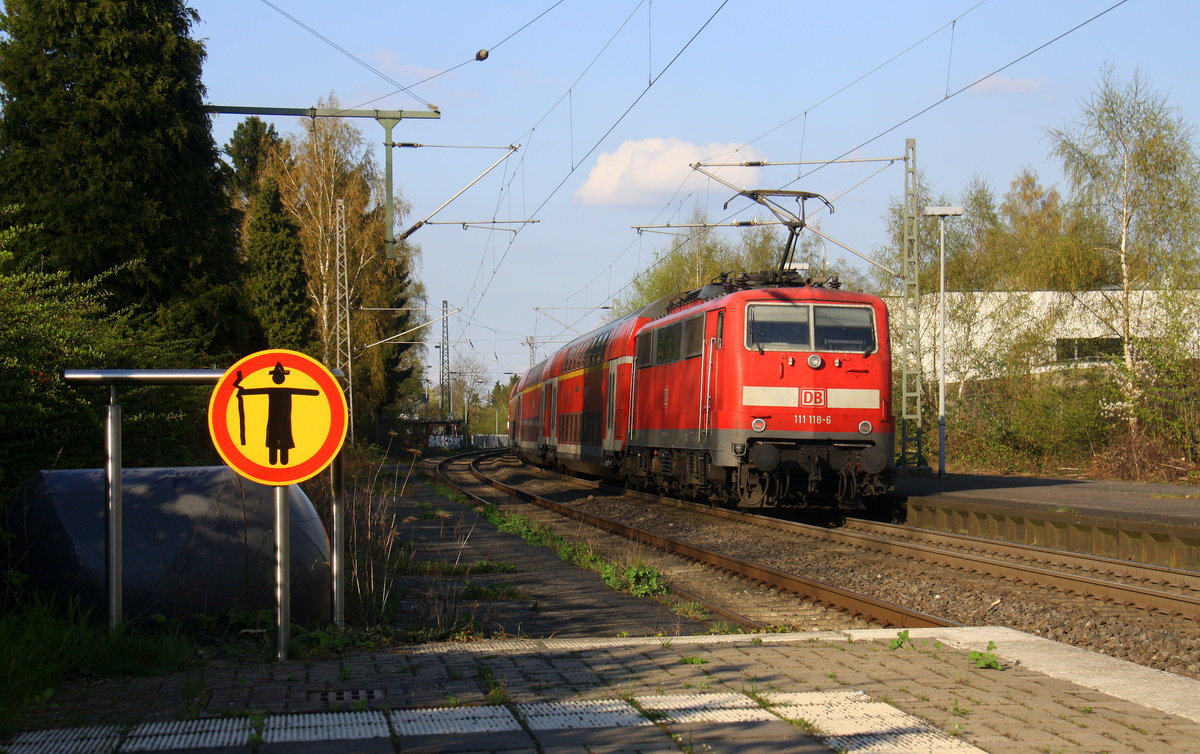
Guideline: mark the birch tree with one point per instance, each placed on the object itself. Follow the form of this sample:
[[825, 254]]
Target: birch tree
[[328, 162], [1131, 164]]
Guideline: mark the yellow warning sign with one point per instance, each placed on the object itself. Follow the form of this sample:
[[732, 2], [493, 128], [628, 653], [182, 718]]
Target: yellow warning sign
[[277, 417]]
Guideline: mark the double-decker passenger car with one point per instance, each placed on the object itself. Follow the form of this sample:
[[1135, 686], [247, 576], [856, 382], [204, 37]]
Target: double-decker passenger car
[[757, 391]]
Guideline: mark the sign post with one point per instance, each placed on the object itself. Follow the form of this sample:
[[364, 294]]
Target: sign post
[[278, 417]]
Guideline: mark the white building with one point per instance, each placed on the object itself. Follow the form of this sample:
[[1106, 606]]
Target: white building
[[989, 333]]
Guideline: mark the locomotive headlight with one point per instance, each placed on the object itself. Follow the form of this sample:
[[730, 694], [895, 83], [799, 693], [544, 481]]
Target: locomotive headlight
[[815, 361], [864, 427], [758, 425]]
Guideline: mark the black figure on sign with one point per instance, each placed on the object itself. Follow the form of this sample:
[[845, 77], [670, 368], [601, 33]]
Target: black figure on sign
[[279, 412]]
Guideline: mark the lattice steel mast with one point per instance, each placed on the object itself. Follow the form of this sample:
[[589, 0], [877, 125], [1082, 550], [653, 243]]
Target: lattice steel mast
[[911, 454]]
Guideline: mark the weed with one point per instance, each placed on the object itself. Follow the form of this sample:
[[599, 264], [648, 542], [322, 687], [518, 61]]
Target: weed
[[692, 660], [987, 658], [959, 710], [756, 640], [656, 715], [807, 726], [428, 512], [195, 694], [498, 695], [692, 610], [258, 721], [496, 692], [900, 641], [725, 627], [644, 581]]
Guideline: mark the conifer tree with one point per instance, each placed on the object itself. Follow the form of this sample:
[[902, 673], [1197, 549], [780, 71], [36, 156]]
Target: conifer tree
[[250, 150], [275, 283], [105, 147]]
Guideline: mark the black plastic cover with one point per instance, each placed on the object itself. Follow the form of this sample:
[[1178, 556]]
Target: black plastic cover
[[196, 540]]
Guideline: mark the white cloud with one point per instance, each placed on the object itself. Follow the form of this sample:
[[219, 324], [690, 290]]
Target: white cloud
[[1009, 86], [651, 170]]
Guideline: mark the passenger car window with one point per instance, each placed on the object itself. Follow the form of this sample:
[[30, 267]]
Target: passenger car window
[[667, 342]]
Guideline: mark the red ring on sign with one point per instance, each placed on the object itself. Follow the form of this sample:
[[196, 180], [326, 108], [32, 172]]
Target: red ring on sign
[[223, 440]]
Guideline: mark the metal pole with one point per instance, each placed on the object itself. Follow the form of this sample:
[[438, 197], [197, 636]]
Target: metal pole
[[338, 561], [112, 481], [283, 567], [390, 230], [942, 349]]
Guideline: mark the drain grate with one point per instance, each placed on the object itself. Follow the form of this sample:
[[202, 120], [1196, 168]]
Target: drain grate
[[341, 696]]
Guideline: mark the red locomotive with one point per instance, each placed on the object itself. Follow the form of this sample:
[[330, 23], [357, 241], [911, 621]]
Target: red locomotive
[[755, 391]]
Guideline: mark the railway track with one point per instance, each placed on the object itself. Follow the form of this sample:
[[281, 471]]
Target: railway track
[[1143, 613], [822, 597], [1150, 587]]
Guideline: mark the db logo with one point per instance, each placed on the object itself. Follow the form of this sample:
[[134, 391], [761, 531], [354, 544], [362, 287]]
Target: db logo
[[812, 397]]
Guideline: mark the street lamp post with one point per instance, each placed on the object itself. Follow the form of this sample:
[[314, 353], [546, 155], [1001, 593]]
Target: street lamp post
[[941, 213]]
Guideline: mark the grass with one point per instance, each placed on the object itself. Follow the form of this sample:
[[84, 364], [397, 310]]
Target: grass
[[41, 643], [637, 578], [473, 591]]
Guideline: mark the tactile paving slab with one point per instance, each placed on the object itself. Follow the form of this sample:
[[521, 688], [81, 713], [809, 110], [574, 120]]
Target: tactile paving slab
[[707, 708], [189, 734], [423, 722], [579, 715], [326, 726], [851, 721], [90, 740]]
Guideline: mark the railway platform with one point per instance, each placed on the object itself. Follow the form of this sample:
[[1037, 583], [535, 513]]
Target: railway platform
[[1160, 503], [1148, 523], [574, 666]]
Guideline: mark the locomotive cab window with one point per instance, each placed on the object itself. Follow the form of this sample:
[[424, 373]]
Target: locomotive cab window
[[844, 328], [801, 327], [774, 327]]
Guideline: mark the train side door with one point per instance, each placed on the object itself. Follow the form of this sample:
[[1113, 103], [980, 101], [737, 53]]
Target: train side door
[[552, 411], [610, 410], [714, 333]]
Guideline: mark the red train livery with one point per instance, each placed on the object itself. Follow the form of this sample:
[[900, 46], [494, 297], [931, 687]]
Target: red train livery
[[755, 391]]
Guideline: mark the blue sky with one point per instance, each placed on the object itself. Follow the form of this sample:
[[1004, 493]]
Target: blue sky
[[610, 100]]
